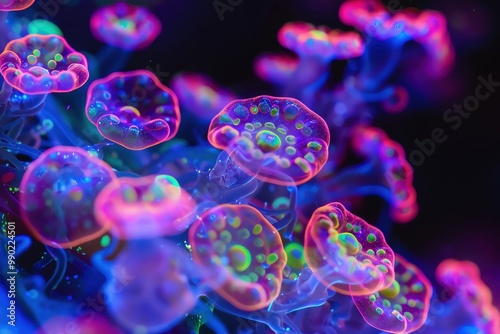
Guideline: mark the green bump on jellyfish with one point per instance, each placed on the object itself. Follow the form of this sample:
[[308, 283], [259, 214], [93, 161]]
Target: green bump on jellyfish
[[310, 157], [348, 226], [371, 238], [392, 291], [235, 222], [295, 255], [225, 236], [31, 59], [314, 146], [381, 252], [257, 229], [260, 258], [257, 124], [412, 303], [290, 112], [105, 240], [417, 287], [274, 111], [249, 127], [254, 109], [386, 303], [269, 125], [244, 233], [220, 247], [268, 141], [372, 298], [398, 307], [370, 252], [379, 311], [264, 107], [299, 125], [302, 164], [281, 203], [240, 257], [51, 64], [271, 258], [382, 268], [260, 271], [253, 277], [36, 53], [58, 57], [408, 316], [357, 228], [290, 150], [236, 121], [225, 119], [291, 140], [350, 242]]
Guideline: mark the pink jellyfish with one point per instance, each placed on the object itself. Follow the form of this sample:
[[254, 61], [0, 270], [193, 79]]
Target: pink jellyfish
[[146, 207], [346, 253], [41, 64], [272, 136], [275, 68], [57, 195], [241, 254], [403, 306], [125, 26], [14, 5], [84, 325], [133, 109], [464, 280]]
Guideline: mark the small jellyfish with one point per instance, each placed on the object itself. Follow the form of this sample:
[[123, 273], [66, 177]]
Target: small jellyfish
[[125, 26], [146, 207], [403, 306], [275, 68], [346, 253], [14, 5], [241, 254], [133, 109], [272, 136], [41, 64], [57, 195]]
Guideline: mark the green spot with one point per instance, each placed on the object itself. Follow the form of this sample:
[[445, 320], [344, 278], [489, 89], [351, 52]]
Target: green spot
[[299, 125], [380, 252], [257, 229], [371, 238], [408, 316], [386, 303], [290, 150], [31, 59], [36, 53], [51, 64], [291, 140], [249, 127], [105, 240], [243, 233], [240, 257], [271, 258], [309, 157], [379, 311], [274, 111], [58, 57], [268, 141], [372, 298], [417, 287], [225, 119], [260, 258], [269, 125], [314, 146], [348, 226], [254, 109]]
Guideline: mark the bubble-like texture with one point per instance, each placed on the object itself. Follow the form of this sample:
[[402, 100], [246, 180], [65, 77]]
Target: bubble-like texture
[[402, 307], [133, 109], [14, 5], [40, 64], [146, 207], [426, 27], [242, 254], [463, 278], [125, 26], [199, 94], [149, 289], [346, 253], [370, 141], [322, 42], [272, 134], [57, 195]]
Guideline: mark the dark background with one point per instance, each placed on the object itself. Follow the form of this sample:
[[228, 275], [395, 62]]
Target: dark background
[[457, 186]]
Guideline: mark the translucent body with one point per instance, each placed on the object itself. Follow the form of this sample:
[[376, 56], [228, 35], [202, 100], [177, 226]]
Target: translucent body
[[464, 280], [275, 68], [133, 109], [346, 253], [40, 64], [57, 195], [149, 286], [200, 95], [272, 134], [242, 254], [125, 26], [402, 307], [83, 324], [13, 5], [146, 207]]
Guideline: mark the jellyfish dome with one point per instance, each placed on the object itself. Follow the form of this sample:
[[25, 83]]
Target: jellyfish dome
[[125, 26], [14, 5], [241, 254], [40, 64], [141, 208], [133, 109], [272, 135], [57, 195]]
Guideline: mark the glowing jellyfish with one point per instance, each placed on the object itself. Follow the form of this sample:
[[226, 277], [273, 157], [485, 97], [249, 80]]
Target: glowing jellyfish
[[402, 307], [40, 64], [14, 5], [275, 68], [242, 254], [133, 109], [57, 195], [464, 280], [346, 253], [125, 26], [150, 286], [272, 135], [200, 95], [146, 207]]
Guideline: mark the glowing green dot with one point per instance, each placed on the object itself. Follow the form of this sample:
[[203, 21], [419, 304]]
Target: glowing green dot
[[36, 53], [269, 125], [249, 127], [379, 311], [236, 121], [386, 303], [274, 111], [371, 238], [417, 287], [310, 157], [370, 252], [271, 258], [299, 125], [303, 164], [408, 316], [105, 240], [290, 150], [51, 64], [225, 119], [350, 242], [392, 291], [240, 257], [348, 226], [58, 57], [372, 298], [225, 236], [380, 252], [254, 109], [268, 141], [291, 140], [295, 255], [260, 258], [314, 146], [31, 59], [235, 222], [257, 229]]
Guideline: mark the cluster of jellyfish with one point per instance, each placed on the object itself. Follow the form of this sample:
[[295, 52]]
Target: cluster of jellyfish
[[252, 227]]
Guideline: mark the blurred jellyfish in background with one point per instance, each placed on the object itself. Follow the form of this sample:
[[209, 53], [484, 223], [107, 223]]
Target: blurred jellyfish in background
[[263, 207]]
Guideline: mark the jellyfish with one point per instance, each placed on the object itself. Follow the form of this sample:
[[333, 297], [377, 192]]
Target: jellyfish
[[403, 306], [41, 64], [123, 27], [240, 253], [200, 95], [57, 195], [275, 68], [270, 136], [142, 208], [133, 109], [464, 280], [15, 5], [346, 253], [151, 285]]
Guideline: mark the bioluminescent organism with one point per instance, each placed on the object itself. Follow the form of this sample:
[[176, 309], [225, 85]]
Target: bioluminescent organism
[[86, 324], [125, 26], [14, 5], [241, 254], [57, 195], [133, 109], [270, 134], [142, 208], [402, 307], [275, 68], [346, 253], [40, 64]]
